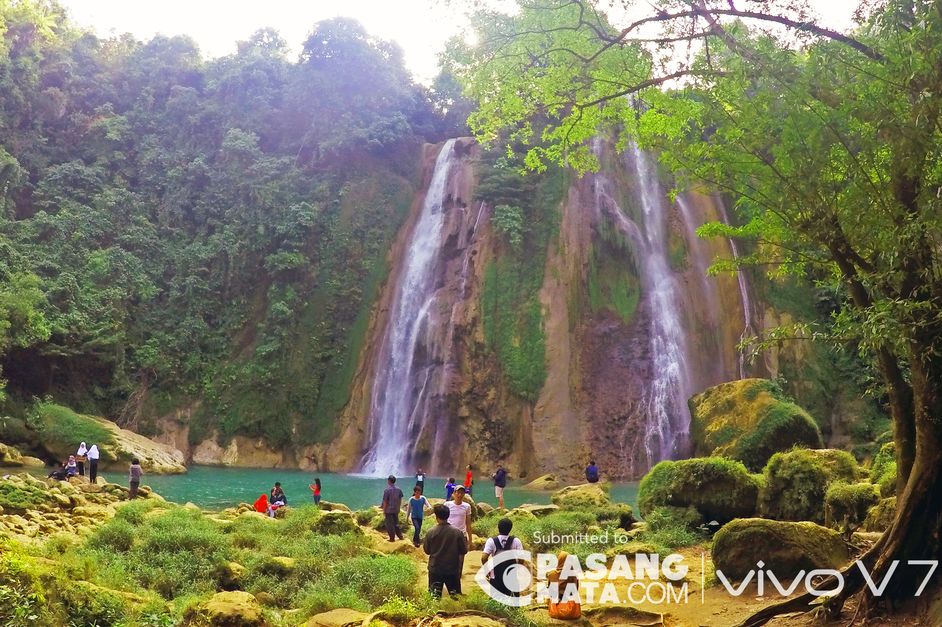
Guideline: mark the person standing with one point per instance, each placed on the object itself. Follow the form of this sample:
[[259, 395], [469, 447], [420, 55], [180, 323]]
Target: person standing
[[316, 490], [450, 486], [500, 482], [134, 478], [392, 503], [503, 541], [80, 458], [93, 456], [468, 480], [417, 506], [459, 515], [446, 548], [592, 472], [420, 479]]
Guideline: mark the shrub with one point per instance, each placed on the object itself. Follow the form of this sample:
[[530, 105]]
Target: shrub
[[796, 482], [22, 602], [846, 504], [60, 428], [134, 512], [84, 604], [670, 528], [720, 489], [18, 496], [883, 469], [116, 535]]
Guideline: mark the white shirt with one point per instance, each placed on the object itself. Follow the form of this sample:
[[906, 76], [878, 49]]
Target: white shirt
[[458, 515], [93, 452], [490, 547]]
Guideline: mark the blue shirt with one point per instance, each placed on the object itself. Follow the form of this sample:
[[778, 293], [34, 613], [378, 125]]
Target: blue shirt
[[417, 507], [449, 489]]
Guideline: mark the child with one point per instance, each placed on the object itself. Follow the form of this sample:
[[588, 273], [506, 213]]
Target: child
[[71, 469], [316, 490], [450, 488], [417, 507]]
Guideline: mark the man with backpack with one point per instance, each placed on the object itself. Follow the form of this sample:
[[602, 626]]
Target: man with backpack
[[503, 541]]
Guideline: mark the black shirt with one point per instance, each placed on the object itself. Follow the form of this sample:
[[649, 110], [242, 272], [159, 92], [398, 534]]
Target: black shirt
[[444, 546]]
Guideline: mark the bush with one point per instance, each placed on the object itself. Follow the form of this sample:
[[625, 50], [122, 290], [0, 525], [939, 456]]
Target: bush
[[84, 604], [361, 583], [116, 535], [615, 515], [796, 482], [846, 504], [22, 602], [134, 512], [60, 428], [720, 489], [883, 470], [18, 496], [670, 528]]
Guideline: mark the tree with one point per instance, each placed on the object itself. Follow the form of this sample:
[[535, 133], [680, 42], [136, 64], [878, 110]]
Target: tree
[[829, 142]]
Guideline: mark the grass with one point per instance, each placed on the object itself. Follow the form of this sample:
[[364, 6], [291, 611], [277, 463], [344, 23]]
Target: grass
[[61, 428]]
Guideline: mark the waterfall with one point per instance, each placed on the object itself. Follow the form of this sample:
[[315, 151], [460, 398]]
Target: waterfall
[[399, 408], [747, 329], [668, 424]]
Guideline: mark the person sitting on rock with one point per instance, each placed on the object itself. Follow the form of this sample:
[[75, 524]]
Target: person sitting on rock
[[277, 499], [59, 473], [592, 472], [71, 468]]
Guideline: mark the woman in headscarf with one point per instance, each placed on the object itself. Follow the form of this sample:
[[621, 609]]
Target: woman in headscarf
[[566, 606], [80, 458], [93, 456]]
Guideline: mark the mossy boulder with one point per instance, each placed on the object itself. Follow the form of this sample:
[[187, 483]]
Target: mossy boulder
[[720, 489], [335, 523], [881, 515], [749, 420], [583, 496], [340, 617], [796, 482], [227, 609], [544, 482], [230, 575], [846, 504], [10, 456], [883, 469], [540, 510], [785, 547]]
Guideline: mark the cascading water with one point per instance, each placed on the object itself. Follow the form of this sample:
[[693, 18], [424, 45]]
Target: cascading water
[[747, 330], [668, 417], [399, 405]]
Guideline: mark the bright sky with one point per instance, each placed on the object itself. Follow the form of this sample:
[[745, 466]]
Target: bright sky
[[420, 27]]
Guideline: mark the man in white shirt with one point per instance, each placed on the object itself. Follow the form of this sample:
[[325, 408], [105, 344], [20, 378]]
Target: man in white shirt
[[460, 516], [503, 541]]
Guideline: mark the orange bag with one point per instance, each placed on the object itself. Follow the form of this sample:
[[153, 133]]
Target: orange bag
[[569, 610]]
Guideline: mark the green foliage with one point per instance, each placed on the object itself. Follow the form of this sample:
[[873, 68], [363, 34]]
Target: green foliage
[[508, 221], [22, 602], [796, 482], [669, 528], [85, 605], [16, 498], [883, 470], [720, 489], [60, 427], [784, 425]]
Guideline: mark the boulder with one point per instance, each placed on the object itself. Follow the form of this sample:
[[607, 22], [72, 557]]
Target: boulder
[[32, 462], [461, 619], [9, 456], [484, 509], [582, 496], [230, 575], [749, 420], [340, 617], [279, 565], [880, 516], [227, 609], [720, 489], [847, 504], [521, 515], [883, 469], [545, 482], [328, 506], [785, 548], [335, 523], [796, 482], [539, 510]]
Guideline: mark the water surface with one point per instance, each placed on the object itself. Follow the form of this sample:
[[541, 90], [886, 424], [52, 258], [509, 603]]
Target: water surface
[[212, 487]]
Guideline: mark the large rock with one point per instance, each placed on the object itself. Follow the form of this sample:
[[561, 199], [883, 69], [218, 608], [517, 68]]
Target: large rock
[[749, 420], [582, 496], [335, 523], [539, 510], [340, 617], [795, 483], [720, 489], [227, 609], [10, 456], [785, 548], [545, 482], [461, 619], [881, 515]]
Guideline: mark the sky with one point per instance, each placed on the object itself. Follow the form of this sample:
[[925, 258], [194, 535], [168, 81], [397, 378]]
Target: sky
[[420, 27]]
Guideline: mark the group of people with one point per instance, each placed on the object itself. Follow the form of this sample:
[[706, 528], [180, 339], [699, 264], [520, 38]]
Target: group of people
[[74, 466]]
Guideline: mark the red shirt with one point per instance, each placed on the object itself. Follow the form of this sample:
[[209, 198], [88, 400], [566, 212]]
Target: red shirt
[[467, 479]]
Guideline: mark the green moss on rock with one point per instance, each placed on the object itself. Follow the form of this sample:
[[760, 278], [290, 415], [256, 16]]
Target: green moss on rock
[[583, 496], [847, 504], [881, 515], [749, 420], [720, 489], [796, 482], [785, 547], [883, 469]]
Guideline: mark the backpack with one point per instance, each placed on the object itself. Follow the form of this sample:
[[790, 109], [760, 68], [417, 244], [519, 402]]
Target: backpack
[[501, 569]]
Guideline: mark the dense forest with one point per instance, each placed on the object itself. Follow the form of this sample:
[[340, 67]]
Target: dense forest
[[180, 228]]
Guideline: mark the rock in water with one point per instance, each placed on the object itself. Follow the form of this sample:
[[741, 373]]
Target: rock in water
[[586, 495], [785, 548], [546, 482]]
